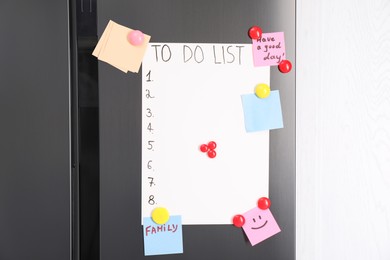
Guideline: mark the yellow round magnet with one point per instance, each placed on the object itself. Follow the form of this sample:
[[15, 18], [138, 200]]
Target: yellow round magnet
[[160, 215], [262, 90]]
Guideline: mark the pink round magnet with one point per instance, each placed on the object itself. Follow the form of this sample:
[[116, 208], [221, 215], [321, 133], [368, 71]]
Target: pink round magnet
[[136, 37]]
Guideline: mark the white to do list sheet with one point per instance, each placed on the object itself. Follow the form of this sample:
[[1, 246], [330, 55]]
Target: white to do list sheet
[[191, 95]]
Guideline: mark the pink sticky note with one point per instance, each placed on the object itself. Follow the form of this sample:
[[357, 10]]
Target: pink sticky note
[[259, 225], [269, 50]]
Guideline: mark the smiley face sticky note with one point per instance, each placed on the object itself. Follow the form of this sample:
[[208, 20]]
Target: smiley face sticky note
[[258, 223], [163, 239]]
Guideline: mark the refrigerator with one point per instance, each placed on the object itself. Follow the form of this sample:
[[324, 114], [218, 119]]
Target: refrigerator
[[71, 132]]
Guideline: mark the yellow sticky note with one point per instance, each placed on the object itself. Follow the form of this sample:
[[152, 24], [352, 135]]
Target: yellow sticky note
[[114, 48]]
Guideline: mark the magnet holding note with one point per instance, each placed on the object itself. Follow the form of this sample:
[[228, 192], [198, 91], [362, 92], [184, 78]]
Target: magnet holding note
[[135, 37], [264, 203], [255, 32], [285, 66], [160, 215], [262, 90], [238, 220]]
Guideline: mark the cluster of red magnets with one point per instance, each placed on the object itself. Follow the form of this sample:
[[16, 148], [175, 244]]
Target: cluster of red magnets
[[209, 149]]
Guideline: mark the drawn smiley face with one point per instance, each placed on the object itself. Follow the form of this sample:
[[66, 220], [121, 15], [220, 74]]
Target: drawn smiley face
[[257, 223]]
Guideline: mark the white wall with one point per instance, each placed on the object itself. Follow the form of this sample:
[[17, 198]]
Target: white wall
[[343, 129]]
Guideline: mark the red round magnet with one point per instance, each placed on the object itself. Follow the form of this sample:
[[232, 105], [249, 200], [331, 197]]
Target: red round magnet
[[204, 148], [255, 32], [238, 220], [285, 66], [264, 203], [212, 145], [211, 154]]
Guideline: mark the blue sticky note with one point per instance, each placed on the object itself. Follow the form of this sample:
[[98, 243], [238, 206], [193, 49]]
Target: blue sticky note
[[262, 113], [163, 239]]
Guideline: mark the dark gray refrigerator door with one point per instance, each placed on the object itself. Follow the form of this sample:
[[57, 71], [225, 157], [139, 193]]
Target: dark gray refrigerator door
[[120, 97], [35, 197]]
